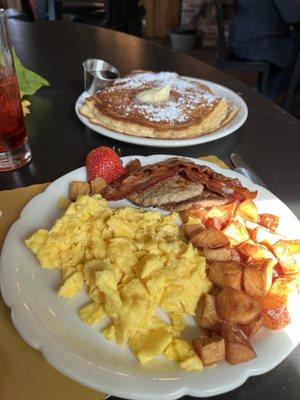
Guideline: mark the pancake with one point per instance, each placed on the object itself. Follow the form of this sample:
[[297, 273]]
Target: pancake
[[190, 111]]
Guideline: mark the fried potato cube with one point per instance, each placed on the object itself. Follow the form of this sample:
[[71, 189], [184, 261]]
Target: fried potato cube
[[97, 185], [213, 222], [220, 216], [211, 238], [269, 221], [198, 213], [192, 230], [206, 314], [276, 318], [264, 236], [237, 306], [293, 246], [221, 254], [236, 232], [269, 302], [275, 313], [226, 273], [247, 210], [216, 212], [282, 288], [285, 257], [253, 327], [277, 271], [230, 208], [78, 188], [256, 252], [250, 225], [238, 348], [258, 278], [211, 349]]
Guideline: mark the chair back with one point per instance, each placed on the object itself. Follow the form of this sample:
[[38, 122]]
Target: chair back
[[221, 30], [42, 10], [27, 9], [114, 12]]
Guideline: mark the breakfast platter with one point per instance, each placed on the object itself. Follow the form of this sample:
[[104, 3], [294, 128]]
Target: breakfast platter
[[106, 344], [162, 109]]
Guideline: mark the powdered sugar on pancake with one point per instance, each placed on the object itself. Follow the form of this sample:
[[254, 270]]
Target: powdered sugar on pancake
[[168, 112], [187, 98], [138, 80]]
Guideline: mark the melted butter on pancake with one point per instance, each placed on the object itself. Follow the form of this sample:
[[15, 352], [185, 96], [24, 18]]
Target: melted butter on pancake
[[156, 95]]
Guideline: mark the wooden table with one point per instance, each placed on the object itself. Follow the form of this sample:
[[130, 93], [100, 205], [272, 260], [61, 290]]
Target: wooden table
[[269, 140]]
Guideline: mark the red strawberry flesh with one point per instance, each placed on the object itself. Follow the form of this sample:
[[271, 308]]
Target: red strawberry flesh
[[105, 163]]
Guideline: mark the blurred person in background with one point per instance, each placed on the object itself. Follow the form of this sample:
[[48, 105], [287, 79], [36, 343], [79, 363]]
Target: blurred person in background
[[268, 30], [31, 7]]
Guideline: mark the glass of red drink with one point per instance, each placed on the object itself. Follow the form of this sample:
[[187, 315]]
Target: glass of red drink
[[14, 146]]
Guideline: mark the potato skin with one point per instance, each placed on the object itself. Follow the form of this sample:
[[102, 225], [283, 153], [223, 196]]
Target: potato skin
[[248, 211], [253, 327], [221, 254], [274, 310], [97, 185], [207, 315], [192, 230], [211, 349], [78, 188], [236, 306], [269, 221], [211, 238], [252, 275], [258, 278], [282, 250], [238, 348], [254, 252], [226, 273], [262, 235], [236, 232], [276, 318]]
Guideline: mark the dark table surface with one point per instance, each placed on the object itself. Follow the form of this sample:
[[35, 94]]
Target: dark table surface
[[269, 140]]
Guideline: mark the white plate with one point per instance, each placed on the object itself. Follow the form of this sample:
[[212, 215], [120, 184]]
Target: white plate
[[50, 324], [219, 90]]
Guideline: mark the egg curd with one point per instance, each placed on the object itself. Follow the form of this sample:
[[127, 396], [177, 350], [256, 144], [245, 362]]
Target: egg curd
[[132, 263]]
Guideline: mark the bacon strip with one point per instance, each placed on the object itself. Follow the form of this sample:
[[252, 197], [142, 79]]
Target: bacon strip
[[138, 182], [138, 179], [133, 167]]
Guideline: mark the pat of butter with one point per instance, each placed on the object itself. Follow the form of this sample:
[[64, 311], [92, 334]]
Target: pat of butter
[[155, 95]]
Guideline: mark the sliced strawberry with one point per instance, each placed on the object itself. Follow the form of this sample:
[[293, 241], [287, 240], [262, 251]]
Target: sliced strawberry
[[105, 163]]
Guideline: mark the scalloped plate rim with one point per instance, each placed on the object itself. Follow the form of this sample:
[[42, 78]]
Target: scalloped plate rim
[[49, 354]]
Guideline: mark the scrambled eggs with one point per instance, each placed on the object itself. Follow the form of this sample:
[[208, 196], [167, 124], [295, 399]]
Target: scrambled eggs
[[131, 262]]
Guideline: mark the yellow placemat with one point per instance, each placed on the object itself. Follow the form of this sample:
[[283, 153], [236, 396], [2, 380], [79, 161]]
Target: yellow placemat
[[215, 160], [24, 374]]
